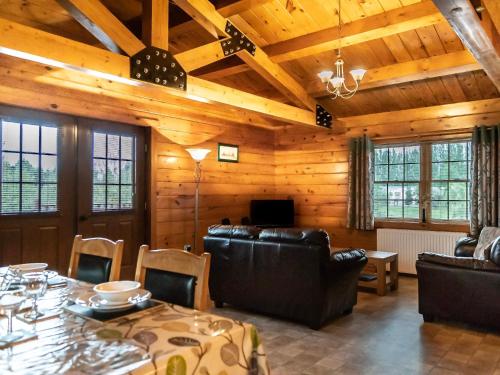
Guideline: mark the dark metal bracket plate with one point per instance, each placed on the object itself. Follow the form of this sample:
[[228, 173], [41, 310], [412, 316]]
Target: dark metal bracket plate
[[323, 117], [158, 66], [236, 41]]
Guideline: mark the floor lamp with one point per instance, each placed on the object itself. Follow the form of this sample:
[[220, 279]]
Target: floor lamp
[[198, 154]]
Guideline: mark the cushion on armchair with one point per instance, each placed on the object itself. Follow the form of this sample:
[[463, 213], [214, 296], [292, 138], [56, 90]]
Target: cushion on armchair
[[459, 262], [486, 238]]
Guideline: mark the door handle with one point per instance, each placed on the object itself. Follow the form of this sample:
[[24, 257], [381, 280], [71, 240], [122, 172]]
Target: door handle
[[82, 218]]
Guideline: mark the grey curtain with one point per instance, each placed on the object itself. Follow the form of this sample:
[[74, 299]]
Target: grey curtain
[[360, 190], [485, 178]]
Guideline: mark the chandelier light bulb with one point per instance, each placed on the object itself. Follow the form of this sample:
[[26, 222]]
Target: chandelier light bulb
[[325, 75], [358, 74]]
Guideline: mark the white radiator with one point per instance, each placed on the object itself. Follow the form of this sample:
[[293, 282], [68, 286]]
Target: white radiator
[[409, 243]]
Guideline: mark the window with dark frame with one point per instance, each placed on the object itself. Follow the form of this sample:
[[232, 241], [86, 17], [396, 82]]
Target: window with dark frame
[[113, 172], [29, 168], [402, 190]]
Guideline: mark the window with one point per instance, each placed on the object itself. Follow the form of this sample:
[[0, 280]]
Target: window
[[397, 177], [113, 172], [29, 168], [406, 175], [450, 181]]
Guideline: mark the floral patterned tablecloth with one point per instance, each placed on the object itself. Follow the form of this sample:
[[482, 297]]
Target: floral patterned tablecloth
[[166, 339]]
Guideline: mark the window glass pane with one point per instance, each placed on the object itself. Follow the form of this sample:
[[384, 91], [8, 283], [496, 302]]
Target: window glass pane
[[126, 197], [49, 168], [396, 155], [411, 209], [458, 151], [439, 171], [113, 146], [48, 197], [458, 170], [439, 210], [458, 211], [381, 156], [439, 191], [395, 209], [440, 152], [412, 172], [99, 171], [396, 172], [412, 154], [29, 201], [10, 198], [381, 173], [380, 191], [380, 208], [127, 148], [30, 168], [31, 135], [411, 192], [113, 197], [99, 198], [458, 190], [99, 145], [10, 167], [395, 191], [49, 140], [126, 172], [113, 172], [11, 136]]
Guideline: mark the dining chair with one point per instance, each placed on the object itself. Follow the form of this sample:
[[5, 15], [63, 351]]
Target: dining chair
[[95, 260], [175, 276]]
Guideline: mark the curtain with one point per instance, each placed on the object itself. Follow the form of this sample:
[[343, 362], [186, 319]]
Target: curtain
[[360, 190], [485, 179]]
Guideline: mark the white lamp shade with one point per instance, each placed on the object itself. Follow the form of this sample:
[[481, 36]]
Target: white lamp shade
[[358, 74], [198, 154], [337, 82], [325, 75]]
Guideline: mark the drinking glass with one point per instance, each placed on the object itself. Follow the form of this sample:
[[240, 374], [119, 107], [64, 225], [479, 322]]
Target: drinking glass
[[10, 302], [36, 285]]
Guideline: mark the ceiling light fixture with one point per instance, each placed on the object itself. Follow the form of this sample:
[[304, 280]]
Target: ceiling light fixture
[[335, 81]]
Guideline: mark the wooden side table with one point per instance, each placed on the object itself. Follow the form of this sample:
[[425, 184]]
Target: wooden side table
[[378, 261]]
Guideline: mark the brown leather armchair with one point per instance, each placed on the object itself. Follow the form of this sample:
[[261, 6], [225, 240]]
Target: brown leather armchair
[[460, 288]]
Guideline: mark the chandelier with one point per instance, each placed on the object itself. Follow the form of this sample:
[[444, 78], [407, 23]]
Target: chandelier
[[335, 81]]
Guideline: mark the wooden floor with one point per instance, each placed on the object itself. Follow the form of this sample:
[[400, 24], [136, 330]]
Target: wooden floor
[[384, 335]]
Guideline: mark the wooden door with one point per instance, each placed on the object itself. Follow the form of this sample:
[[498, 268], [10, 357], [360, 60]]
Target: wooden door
[[111, 185], [37, 210]]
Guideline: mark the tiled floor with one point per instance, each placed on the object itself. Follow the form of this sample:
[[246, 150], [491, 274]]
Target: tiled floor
[[384, 335]]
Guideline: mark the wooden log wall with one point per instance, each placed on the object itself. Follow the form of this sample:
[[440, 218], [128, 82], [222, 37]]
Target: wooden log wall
[[225, 190], [312, 167]]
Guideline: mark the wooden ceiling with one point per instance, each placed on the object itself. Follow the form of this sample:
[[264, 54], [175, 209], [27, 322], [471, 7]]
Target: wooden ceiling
[[271, 24]]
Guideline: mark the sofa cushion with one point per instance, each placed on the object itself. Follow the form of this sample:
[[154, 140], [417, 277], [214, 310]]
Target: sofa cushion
[[296, 235], [486, 238], [234, 231]]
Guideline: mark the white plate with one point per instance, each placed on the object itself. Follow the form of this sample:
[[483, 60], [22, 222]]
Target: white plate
[[93, 301]]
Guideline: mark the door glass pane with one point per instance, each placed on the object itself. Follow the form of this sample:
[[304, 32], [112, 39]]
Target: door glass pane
[[113, 146], [10, 167], [49, 168], [48, 197], [11, 136], [99, 145], [31, 135], [10, 198], [49, 140], [30, 168], [29, 194]]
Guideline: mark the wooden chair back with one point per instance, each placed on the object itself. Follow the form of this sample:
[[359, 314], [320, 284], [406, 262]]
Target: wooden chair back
[[178, 261], [101, 247]]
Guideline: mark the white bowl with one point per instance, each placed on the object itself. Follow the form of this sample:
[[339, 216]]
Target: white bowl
[[30, 267], [117, 291]]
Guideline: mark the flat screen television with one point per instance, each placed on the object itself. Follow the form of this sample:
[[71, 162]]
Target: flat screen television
[[272, 213]]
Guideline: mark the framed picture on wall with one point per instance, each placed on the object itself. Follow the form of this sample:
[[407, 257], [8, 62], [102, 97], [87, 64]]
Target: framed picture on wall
[[228, 153]]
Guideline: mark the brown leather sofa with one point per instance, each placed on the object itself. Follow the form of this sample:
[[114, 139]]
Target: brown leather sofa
[[460, 288], [283, 272]]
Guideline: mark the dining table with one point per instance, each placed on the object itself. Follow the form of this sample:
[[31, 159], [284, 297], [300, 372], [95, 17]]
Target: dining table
[[163, 339]]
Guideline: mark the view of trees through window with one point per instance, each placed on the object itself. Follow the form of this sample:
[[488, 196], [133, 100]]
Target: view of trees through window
[[113, 172], [400, 177], [29, 168]]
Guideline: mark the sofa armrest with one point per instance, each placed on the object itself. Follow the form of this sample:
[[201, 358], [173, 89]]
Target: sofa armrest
[[465, 247], [459, 262], [347, 256]]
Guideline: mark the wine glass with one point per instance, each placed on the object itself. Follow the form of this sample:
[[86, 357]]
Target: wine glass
[[10, 302], [36, 285]]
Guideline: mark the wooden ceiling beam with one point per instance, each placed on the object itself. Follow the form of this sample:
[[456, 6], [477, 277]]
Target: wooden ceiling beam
[[198, 57], [493, 9], [467, 25], [155, 23], [101, 23], [61, 52], [259, 61], [415, 70]]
